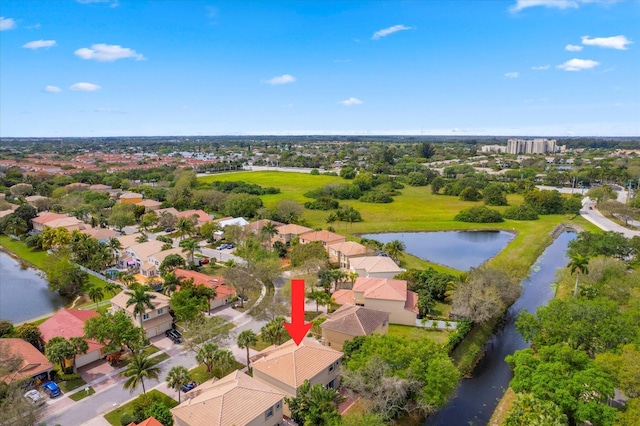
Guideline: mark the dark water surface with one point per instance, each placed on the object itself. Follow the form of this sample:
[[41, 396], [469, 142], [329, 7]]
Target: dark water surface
[[477, 398], [23, 293], [460, 250]]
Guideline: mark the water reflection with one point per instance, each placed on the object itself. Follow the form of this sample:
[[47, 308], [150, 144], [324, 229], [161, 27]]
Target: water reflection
[[460, 250], [23, 293]]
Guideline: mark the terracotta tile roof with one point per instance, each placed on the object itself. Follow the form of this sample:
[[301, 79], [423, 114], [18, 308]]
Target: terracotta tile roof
[[68, 323], [349, 248], [201, 215], [375, 264], [292, 365], [129, 240], [33, 361], [162, 255], [121, 299], [325, 236], [236, 399], [144, 250], [171, 210], [149, 203], [130, 195], [48, 217], [292, 229], [259, 224], [63, 222], [100, 233], [381, 288], [99, 187], [216, 283], [151, 421], [343, 296], [355, 320]]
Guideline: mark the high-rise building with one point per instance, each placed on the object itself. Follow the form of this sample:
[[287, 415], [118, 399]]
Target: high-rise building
[[531, 146]]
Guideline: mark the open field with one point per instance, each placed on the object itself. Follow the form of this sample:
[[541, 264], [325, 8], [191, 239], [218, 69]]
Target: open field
[[438, 336], [416, 209]]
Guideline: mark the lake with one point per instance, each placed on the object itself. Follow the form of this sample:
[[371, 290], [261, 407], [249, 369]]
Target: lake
[[23, 293], [460, 250]]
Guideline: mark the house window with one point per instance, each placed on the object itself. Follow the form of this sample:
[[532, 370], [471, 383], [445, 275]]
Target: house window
[[160, 311], [269, 412], [331, 368], [145, 316], [331, 385], [278, 405]]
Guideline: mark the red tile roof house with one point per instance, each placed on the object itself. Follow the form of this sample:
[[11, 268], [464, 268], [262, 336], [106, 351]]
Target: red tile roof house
[[69, 323], [287, 232], [151, 421], [350, 321], [342, 252], [223, 293], [325, 237], [34, 364], [383, 294], [286, 367], [201, 216], [50, 219]]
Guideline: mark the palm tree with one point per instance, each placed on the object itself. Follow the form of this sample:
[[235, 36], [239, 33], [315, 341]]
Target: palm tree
[[579, 264], [126, 278], [177, 377], [245, 339], [112, 288], [320, 297], [190, 246], [80, 346], [395, 249], [115, 246], [139, 368], [274, 330], [206, 355], [171, 283], [223, 359], [95, 293], [141, 301], [268, 231], [353, 276], [185, 226]]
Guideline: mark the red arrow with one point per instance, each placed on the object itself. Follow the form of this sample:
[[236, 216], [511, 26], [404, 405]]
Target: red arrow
[[297, 328]]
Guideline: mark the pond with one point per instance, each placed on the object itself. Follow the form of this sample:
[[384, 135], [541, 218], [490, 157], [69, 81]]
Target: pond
[[460, 250], [23, 293]]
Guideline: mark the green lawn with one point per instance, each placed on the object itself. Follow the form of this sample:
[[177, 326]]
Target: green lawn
[[405, 331], [200, 375], [114, 416], [69, 385], [81, 394]]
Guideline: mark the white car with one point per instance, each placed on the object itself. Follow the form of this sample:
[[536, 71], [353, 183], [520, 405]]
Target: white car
[[34, 397]]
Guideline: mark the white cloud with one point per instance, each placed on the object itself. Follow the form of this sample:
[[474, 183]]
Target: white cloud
[[541, 68], [618, 42], [7, 23], [512, 74], [559, 4], [52, 89], [281, 79], [351, 101], [573, 48], [84, 87], [578, 64], [37, 44], [387, 31], [107, 53]]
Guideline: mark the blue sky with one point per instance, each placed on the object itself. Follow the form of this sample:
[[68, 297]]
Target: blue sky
[[152, 68]]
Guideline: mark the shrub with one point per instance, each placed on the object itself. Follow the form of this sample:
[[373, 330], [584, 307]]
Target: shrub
[[417, 179], [315, 172], [455, 338], [322, 203], [470, 194], [376, 196], [347, 173], [479, 214], [127, 419], [521, 212]]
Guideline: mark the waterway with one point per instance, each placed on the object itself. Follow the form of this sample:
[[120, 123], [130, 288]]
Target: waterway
[[23, 293], [476, 398], [460, 250]]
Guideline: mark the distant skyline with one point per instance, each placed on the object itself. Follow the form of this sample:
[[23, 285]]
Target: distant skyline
[[173, 68]]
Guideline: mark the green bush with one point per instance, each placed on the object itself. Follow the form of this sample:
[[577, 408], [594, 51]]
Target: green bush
[[521, 212], [127, 419], [376, 196], [322, 203], [479, 214]]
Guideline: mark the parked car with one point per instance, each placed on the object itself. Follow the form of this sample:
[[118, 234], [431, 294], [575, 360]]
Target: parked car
[[189, 386], [204, 261], [174, 335], [169, 229], [51, 389], [34, 397]]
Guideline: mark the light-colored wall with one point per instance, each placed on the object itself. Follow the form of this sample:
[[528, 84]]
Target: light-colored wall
[[259, 420], [87, 358], [398, 314], [154, 331], [389, 275], [336, 340]]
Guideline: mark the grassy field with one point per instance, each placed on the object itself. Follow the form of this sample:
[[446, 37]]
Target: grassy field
[[438, 336], [113, 417], [81, 394]]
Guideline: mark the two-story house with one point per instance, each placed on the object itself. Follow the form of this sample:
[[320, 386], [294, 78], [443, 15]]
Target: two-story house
[[325, 237], [286, 367], [374, 267], [287, 232], [236, 399], [154, 321], [350, 321], [341, 252]]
